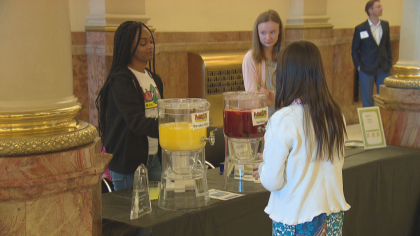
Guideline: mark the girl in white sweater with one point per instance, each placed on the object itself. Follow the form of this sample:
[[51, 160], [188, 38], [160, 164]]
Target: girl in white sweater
[[304, 149]]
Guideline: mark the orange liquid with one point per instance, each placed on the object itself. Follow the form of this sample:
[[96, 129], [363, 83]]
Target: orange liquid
[[181, 136]]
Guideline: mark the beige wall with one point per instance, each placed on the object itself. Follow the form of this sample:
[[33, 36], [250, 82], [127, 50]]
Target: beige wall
[[215, 15], [349, 13], [79, 9], [235, 15]]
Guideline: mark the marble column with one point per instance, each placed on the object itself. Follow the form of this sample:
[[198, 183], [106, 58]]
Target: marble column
[[308, 14], [308, 20], [104, 18], [50, 163], [399, 98], [37, 105], [29, 81]]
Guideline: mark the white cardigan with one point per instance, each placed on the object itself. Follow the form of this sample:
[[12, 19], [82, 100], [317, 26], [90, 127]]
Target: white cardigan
[[301, 187]]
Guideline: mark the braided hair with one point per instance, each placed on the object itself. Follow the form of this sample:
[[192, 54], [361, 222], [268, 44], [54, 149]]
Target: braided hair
[[122, 56]]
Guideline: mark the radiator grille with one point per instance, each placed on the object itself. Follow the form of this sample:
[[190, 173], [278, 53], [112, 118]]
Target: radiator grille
[[213, 73], [225, 80]]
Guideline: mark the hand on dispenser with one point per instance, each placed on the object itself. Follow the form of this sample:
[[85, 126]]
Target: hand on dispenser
[[255, 173], [270, 96]]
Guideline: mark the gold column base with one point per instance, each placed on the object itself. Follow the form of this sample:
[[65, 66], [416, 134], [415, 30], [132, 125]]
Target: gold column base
[[83, 134], [43, 131], [39, 123], [406, 77]]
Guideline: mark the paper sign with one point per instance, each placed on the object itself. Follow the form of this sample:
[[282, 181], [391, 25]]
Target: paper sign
[[222, 195], [372, 128], [200, 120], [259, 116], [364, 34]]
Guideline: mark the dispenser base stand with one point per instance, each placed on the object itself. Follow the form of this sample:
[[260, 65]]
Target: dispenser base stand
[[237, 176]]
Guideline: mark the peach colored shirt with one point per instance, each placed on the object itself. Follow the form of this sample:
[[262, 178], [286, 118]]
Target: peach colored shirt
[[253, 73]]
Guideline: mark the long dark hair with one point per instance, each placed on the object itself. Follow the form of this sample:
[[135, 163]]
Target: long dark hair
[[123, 53], [300, 74], [257, 47]]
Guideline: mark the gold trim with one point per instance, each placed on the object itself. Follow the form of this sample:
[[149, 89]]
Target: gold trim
[[17, 146], [407, 72], [114, 28], [406, 77], [94, 28], [39, 123], [309, 26], [110, 28], [393, 82]]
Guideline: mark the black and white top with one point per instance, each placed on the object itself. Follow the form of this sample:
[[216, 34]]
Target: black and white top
[[151, 96], [127, 125]]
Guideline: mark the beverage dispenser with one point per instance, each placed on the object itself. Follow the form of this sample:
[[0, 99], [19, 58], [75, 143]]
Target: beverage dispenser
[[245, 115], [182, 135]]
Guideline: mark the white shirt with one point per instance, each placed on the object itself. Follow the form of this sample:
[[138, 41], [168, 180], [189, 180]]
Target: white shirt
[[301, 187], [376, 30], [150, 95]]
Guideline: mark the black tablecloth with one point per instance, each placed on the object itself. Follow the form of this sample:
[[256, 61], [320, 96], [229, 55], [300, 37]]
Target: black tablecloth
[[381, 185], [383, 188]]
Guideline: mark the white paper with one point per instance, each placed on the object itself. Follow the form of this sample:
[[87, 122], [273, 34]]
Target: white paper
[[222, 195], [259, 116], [364, 34], [200, 120], [372, 128]]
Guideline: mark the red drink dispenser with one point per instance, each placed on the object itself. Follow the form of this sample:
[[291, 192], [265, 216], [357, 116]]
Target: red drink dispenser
[[245, 115]]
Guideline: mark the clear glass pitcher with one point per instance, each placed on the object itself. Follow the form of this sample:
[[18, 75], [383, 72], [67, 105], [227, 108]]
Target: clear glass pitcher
[[183, 135], [245, 115]]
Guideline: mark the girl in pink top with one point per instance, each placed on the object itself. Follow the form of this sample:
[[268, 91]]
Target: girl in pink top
[[260, 63]]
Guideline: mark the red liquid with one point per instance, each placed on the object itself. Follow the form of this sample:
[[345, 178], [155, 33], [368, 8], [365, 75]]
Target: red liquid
[[238, 124]]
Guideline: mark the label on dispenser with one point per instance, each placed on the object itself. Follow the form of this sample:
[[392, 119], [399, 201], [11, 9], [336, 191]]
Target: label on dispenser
[[259, 116], [200, 120]]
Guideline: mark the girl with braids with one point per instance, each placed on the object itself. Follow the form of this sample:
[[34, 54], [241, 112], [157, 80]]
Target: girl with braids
[[304, 149], [127, 106], [259, 64]]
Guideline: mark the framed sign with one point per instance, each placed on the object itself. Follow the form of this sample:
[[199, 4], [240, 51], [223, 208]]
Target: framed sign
[[372, 128]]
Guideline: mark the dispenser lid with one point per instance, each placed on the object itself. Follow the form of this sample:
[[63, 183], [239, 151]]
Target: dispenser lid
[[186, 105], [244, 100]]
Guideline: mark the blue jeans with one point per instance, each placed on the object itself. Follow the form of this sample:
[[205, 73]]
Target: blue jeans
[[366, 86], [154, 170]]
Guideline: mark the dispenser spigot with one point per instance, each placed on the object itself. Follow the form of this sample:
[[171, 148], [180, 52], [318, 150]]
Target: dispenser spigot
[[261, 129], [211, 139]]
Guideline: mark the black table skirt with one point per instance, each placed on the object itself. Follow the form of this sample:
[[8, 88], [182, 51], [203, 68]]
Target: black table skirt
[[381, 185], [383, 188]]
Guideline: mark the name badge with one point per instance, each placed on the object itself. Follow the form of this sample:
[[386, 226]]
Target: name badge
[[364, 34]]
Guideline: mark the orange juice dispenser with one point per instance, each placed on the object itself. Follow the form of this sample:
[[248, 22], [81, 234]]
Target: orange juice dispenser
[[245, 115], [182, 135]]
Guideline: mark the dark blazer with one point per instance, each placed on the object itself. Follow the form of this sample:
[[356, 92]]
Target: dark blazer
[[367, 54], [127, 126]]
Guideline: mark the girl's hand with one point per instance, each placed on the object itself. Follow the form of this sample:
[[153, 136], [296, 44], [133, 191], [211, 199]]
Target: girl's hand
[[270, 96], [255, 173]]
